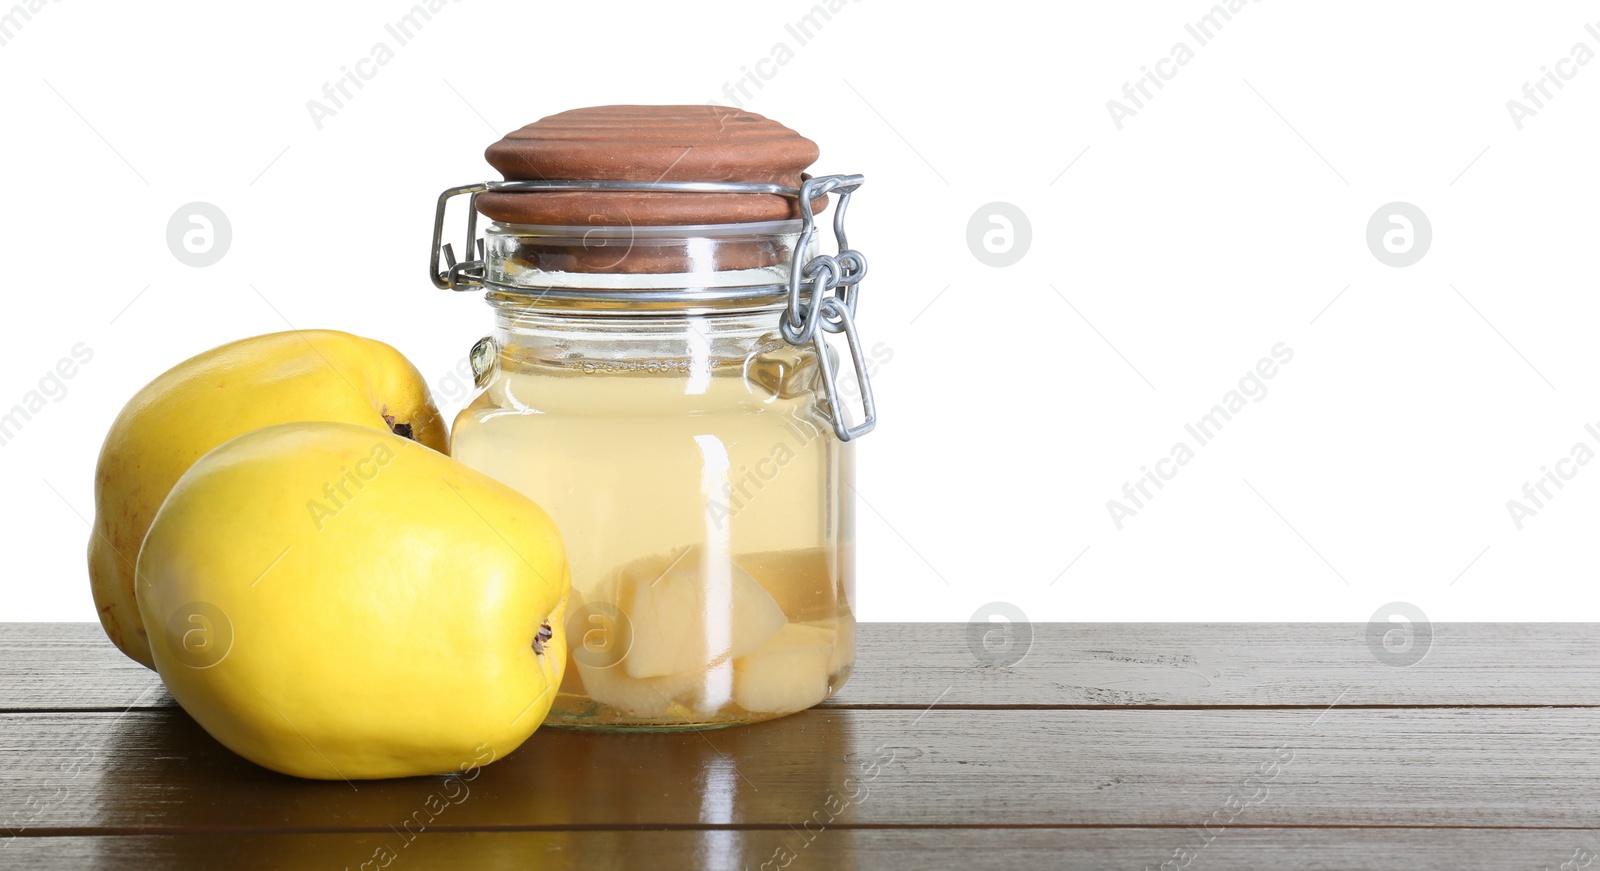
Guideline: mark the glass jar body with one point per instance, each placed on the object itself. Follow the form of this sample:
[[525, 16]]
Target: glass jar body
[[705, 503]]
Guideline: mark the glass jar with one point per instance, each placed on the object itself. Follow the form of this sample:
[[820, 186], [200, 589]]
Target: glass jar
[[667, 395]]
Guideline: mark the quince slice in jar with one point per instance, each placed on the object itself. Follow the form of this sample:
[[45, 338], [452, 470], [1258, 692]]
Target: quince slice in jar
[[843, 630], [594, 668], [654, 697], [789, 673], [689, 610]]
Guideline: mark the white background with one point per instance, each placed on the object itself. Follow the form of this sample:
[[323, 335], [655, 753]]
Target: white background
[[1224, 218]]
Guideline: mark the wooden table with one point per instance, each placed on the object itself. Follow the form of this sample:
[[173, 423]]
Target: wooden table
[[1107, 746]]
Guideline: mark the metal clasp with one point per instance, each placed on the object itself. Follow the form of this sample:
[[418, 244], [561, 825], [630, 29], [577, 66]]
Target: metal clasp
[[835, 283], [462, 276]]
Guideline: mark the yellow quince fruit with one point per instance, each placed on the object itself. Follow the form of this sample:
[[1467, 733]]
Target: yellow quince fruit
[[228, 391], [334, 602]]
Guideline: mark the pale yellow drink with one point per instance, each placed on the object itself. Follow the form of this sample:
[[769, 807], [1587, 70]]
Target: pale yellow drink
[[694, 496]]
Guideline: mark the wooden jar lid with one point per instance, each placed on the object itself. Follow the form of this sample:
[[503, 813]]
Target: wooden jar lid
[[648, 144]]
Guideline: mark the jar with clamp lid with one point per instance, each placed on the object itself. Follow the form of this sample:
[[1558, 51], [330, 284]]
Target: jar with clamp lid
[[660, 380]]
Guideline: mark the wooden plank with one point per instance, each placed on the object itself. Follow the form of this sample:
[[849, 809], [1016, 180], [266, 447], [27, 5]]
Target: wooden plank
[[156, 771], [1091, 665], [71, 666], [1237, 849]]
